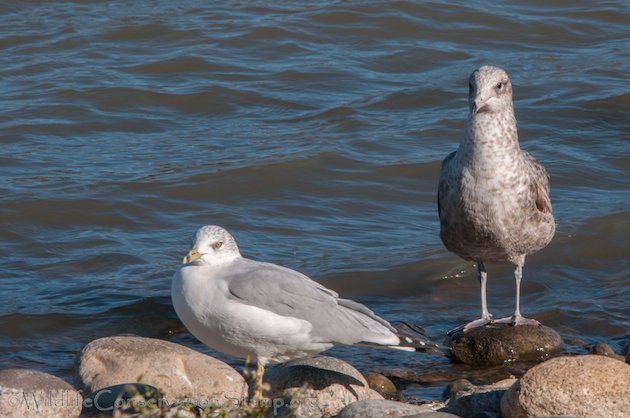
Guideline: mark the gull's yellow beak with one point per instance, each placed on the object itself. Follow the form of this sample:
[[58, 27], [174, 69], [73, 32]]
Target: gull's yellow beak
[[192, 256]]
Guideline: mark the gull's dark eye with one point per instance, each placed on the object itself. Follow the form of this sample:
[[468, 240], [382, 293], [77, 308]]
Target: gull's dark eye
[[217, 245], [499, 85]]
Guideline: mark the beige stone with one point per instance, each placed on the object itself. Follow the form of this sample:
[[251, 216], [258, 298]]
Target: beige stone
[[318, 386], [28, 393], [579, 386], [179, 372]]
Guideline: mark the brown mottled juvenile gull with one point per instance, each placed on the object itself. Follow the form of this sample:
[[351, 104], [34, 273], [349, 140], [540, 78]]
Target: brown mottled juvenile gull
[[493, 197], [272, 314]]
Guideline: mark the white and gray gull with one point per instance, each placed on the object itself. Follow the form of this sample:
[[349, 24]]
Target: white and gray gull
[[493, 197], [269, 313]]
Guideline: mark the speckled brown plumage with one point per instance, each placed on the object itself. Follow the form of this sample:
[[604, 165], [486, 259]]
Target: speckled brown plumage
[[493, 197]]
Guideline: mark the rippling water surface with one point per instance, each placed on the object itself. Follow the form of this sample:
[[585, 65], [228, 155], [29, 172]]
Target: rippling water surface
[[314, 132]]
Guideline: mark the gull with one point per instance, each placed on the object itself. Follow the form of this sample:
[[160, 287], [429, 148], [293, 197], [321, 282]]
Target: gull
[[269, 313], [493, 197]]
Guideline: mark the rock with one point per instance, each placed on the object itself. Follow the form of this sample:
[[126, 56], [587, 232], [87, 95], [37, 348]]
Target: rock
[[578, 342], [382, 385], [498, 344], [318, 386], [479, 401], [580, 386], [434, 414], [378, 408], [177, 371], [134, 400], [121, 397], [456, 386], [626, 351], [31, 393], [602, 349]]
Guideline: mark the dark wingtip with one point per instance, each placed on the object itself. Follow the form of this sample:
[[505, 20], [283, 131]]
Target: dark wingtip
[[412, 335]]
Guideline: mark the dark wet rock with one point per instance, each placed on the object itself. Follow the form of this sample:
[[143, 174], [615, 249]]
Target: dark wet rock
[[479, 401], [382, 385], [578, 342], [434, 414], [626, 352], [499, 344], [318, 386], [481, 375], [579, 386], [379, 408], [603, 349], [115, 400], [31, 393], [456, 386], [179, 372]]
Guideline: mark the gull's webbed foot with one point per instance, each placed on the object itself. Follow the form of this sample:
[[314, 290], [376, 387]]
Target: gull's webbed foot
[[516, 320], [472, 324]]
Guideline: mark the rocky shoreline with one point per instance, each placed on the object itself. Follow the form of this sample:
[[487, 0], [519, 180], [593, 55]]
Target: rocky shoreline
[[127, 376]]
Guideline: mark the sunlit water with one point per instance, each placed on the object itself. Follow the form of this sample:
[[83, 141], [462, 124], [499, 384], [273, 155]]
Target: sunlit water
[[314, 132]]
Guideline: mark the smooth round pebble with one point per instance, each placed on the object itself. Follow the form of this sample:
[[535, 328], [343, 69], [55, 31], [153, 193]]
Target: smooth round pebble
[[382, 385], [456, 386], [603, 349]]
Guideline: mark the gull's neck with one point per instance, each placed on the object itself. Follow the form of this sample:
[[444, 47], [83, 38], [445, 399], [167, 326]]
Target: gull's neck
[[222, 260], [489, 136]]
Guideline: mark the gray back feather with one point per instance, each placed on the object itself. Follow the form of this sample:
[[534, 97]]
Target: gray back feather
[[290, 293]]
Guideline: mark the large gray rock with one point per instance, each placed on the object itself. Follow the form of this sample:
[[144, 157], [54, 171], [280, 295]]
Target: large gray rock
[[29, 393], [179, 372], [494, 345], [379, 408], [580, 386], [318, 386], [477, 401]]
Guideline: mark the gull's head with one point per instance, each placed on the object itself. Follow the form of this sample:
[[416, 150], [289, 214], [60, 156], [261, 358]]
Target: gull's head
[[490, 90], [212, 245]]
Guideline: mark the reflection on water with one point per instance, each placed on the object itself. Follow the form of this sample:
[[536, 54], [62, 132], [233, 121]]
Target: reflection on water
[[314, 132]]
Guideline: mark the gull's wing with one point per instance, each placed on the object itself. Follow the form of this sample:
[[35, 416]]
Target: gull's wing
[[539, 183], [290, 293], [442, 186]]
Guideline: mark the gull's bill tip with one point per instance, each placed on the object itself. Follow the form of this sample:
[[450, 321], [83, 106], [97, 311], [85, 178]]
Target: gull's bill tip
[[191, 256]]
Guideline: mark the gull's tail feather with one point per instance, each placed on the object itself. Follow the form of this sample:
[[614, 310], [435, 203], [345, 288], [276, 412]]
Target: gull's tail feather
[[414, 338]]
